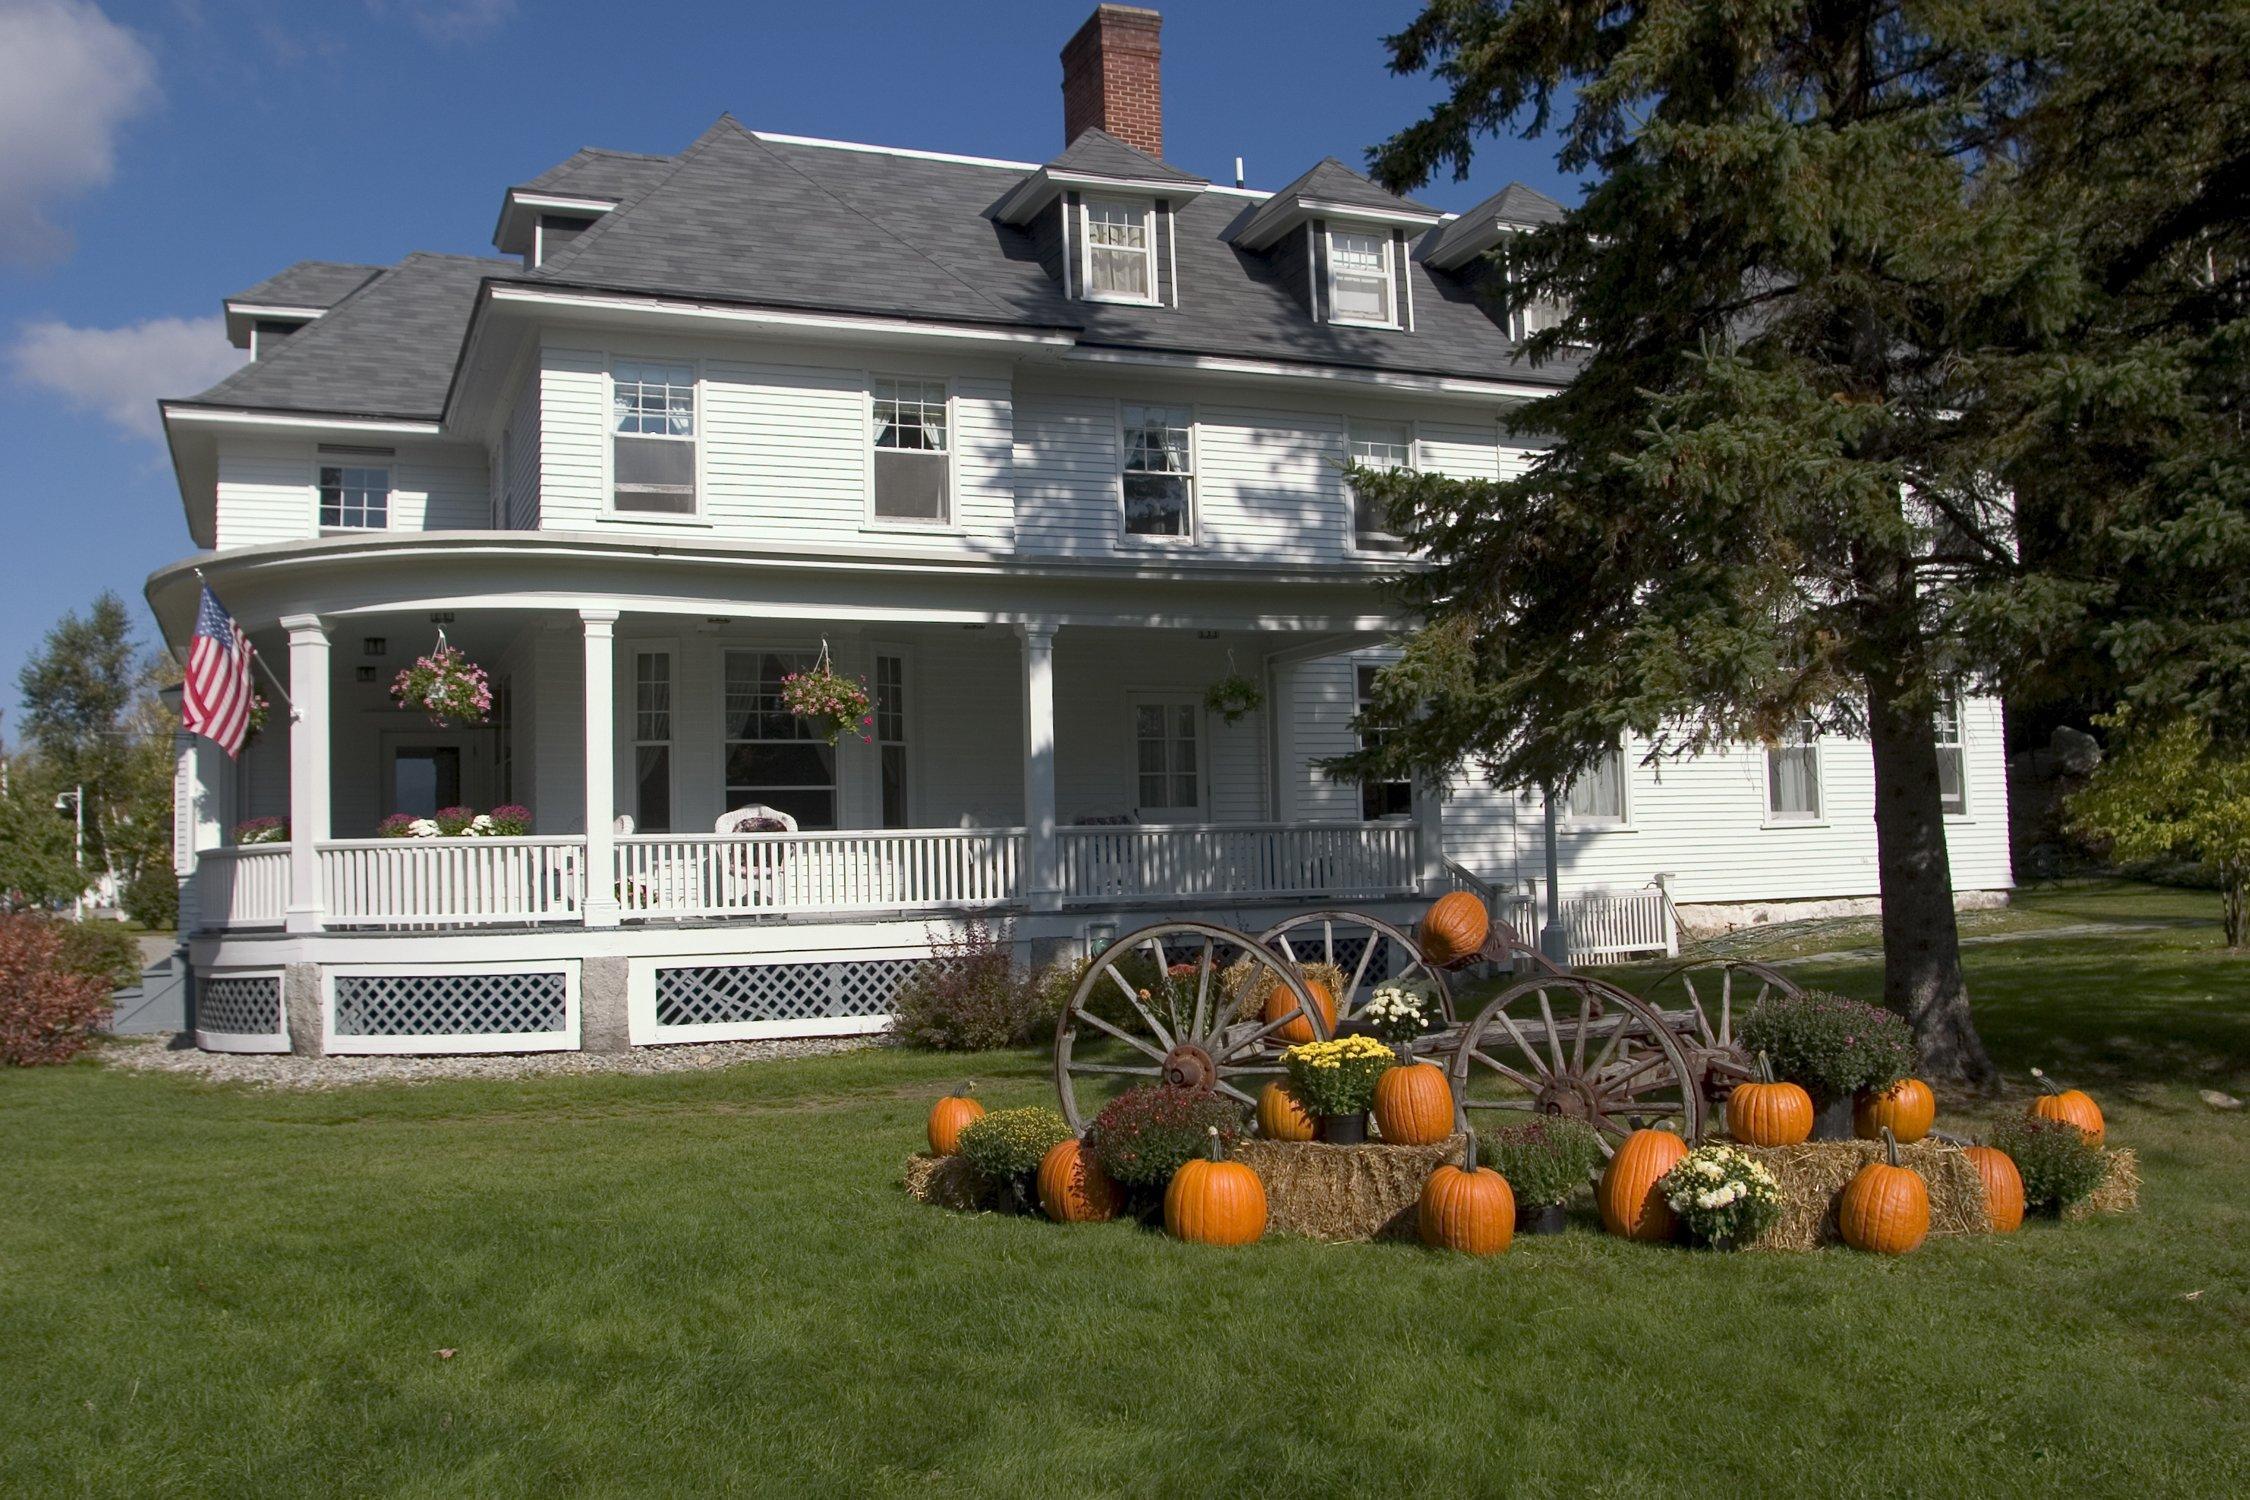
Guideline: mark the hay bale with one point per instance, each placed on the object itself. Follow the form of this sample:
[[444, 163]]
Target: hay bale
[[1249, 1001], [2119, 1193], [949, 1182], [1337, 1193], [1813, 1175]]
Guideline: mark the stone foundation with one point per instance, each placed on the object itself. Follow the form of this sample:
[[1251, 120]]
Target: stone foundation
[[1713, 919]]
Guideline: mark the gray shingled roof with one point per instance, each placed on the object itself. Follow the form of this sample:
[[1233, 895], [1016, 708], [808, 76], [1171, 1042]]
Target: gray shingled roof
[[387, 350], [1097, 153], [1478, 229], [591, 172], [309, 283], [742, 218], [1518, 204], [1330, 181]]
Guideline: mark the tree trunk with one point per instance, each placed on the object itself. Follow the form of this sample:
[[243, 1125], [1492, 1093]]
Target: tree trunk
[[2234, 898], [1921, 940]]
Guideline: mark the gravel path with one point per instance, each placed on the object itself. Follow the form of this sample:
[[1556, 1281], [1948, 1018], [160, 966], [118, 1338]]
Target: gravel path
[[159, 1054]]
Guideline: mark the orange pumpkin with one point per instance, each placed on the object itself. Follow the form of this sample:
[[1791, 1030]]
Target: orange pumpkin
[[1282, 1118], [1469, 1209], [1413, 1105], [1885, 1207], [1907, 1109], [1630, 1204], [1279, 1003], [2071, 1107], [1766, 1113], [1213, 1201], [949, 1117], [1074, 1189], [1454, 928], [2003, 1187]]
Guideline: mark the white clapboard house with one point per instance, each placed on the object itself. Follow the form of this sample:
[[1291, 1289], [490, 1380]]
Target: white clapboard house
[[1041, 450]]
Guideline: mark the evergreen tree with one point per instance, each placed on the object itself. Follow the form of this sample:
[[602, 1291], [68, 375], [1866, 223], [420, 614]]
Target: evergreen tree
[[79, 694], [1757, 504]]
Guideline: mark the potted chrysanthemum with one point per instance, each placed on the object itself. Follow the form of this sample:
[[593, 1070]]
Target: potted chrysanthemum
[[1723, 1195]]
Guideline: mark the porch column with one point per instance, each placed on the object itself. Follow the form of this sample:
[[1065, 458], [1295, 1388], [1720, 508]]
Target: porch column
[[1429, 823], [600, 906], [308, 769], [1042, 869], [195, 812]]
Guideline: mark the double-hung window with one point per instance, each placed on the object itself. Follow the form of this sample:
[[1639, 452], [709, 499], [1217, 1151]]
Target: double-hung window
[[1377, 445], [355, 495], [652, 442], [1120, 251], [774, 758], [890, 735], [1359, 278], [1793, 775], [1952, 757], [1597, 794], [652, 741], [1159, 478], [1378, 799], [913, 447]]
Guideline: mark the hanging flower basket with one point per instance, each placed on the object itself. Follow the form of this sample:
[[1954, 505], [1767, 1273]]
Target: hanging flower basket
[[447, 686], [835, 703], [1233, 696], [259, 709]]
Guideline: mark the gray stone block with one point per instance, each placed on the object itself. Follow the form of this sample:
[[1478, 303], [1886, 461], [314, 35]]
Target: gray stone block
[[604, 1024], [300, 1006]]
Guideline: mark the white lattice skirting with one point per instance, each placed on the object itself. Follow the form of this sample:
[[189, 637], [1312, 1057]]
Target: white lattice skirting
[[240, 1013], [451, 1008], [803, 997]]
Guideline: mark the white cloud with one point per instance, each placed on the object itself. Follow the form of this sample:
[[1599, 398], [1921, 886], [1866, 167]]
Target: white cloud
[[121, 372], [69, 79], [449, 21]]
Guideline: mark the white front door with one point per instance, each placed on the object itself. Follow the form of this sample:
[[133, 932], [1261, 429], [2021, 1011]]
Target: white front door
[[1169, 779]]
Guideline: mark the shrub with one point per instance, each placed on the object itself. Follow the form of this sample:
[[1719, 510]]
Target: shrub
[[1337, 1077], [1546, 1159], [152, 896], [261, 831], [1145, 1134], [969, 995], [48, 1008], [1722, 1194], [2058, 1164], [1830, 1046], [1008, 1143], [102, 949]]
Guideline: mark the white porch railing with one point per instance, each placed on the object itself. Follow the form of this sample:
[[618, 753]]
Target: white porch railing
[[1238, 859], [1605, 928], [716, 875], [452, 882], [242, 887]]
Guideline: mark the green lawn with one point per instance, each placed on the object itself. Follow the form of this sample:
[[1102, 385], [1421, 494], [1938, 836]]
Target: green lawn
[[712, 1283]]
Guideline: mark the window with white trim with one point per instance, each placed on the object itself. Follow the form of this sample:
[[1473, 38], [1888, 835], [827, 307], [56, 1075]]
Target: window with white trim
[[913, 451], [1168, 766], [1120, 250], [1159, 478], [1359, 278], [355, 497], [652, 741], [1377, 799], [1793, 775], [652, 442], [890, 736], [1377, 445], [772, 757], [1952, 756], [1597, 794]]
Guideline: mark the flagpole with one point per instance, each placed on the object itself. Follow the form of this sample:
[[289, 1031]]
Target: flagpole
[[259, 658]]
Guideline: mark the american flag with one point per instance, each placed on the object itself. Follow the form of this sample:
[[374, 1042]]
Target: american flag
[[216, 704]]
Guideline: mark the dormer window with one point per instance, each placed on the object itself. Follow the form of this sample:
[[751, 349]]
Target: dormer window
[[1359, 278], [1120, 250]]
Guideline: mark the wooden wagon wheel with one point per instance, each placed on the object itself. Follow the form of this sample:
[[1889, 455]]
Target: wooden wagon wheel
[[1151, 1009], [1388, 953], [1704, 1002], [1577, 1047]]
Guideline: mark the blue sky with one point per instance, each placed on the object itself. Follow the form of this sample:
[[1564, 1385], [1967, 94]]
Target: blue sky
[[156, 156]]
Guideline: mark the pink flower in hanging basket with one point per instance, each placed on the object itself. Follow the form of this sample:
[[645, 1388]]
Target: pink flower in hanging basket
[[447, 686]]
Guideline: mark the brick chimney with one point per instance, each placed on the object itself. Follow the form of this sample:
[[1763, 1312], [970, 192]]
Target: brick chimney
[[1113, 77]]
